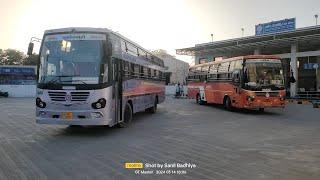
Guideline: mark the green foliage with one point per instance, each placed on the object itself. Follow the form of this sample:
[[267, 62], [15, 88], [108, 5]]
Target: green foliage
[[31, 60], [15, 57]]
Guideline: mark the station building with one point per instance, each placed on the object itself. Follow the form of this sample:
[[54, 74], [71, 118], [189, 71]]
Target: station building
[[299, 50], [177, 70], [18, 81]]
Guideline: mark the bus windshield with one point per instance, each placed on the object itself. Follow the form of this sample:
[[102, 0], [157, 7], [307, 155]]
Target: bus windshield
[[263, 74], [72, 58]]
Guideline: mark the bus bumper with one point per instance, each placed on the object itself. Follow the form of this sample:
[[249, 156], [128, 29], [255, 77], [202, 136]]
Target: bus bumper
[[264, 105], [73, 121]]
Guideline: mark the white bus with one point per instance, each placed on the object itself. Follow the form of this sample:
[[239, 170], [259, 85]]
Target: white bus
[[94, 76]]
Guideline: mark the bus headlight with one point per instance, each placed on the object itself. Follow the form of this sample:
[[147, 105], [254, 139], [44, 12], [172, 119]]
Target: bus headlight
[[101, 103], [40, 103], [250, 98], [281, 98]]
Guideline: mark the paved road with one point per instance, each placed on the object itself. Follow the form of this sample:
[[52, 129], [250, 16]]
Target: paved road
[[277, 144]]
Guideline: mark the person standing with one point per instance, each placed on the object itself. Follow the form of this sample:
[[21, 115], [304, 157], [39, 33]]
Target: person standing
[[181, 90], [178, 90]]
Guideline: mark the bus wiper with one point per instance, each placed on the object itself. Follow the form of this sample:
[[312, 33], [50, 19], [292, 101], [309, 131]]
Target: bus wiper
[[75, 81], [56, 78]]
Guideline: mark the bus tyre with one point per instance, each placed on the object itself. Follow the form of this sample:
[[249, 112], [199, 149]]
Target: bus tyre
[[227, 103], [155, 106], [261, 109], [199, 101], [127, 116]]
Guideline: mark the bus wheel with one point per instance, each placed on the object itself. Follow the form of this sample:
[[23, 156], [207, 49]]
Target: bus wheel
[[199, 101], [127, 116], [227, 103], [198, 98], [155, 107], [261, 109]]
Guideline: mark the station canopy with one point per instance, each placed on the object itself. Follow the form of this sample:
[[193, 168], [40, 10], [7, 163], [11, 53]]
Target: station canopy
[[307, 39]]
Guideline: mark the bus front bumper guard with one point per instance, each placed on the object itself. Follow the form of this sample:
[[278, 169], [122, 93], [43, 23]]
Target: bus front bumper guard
[[59, 121], [265, 105]]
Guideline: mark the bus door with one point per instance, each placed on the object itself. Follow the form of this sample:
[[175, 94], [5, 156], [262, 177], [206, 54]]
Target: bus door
[[117, 88], [236, 81]]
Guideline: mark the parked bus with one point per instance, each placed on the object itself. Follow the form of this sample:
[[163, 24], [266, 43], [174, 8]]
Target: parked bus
[[250, 82], [94, 76]]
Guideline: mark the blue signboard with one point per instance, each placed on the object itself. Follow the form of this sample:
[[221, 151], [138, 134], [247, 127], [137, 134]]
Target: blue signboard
[[311, 66], [276, 26], [17, 71]]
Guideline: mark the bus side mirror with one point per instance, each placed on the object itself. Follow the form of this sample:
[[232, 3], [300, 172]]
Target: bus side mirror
[[30, 48]]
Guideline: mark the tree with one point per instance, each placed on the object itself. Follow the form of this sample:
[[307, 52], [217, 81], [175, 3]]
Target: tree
[[2, 57], [31, 60], [11, 57]]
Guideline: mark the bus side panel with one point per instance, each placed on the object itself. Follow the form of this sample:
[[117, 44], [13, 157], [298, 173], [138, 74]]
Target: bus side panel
[[194, 89], [216, 91], [143, 93]]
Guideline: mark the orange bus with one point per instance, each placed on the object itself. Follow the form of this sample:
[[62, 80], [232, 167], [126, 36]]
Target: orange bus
[[249, 82]]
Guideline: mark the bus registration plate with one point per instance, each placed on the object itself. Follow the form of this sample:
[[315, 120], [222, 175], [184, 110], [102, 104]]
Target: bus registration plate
[[66, 115]]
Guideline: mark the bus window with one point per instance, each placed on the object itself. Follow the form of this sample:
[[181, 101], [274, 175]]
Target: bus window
[[123, 46], [132, 69], [205, 69], [142, 53], [145, 72], [126, 68], [238, 64], [148, 56], [224, 67], [223, 71], [232, 65], [105, 71], [141, 72], [149, 73], [132, 49], [198, 69], [213, 69], [156, 75], [137, 70]]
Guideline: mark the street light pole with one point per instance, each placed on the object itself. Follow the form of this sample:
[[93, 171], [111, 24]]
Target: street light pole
[[316, 16], [211, 37], [242, 29]]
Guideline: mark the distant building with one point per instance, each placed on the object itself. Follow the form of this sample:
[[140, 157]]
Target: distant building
[[18, 81], [177, 70], [17, 75]]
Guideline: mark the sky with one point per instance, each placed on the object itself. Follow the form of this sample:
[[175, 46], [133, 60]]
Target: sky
[[154, 24]]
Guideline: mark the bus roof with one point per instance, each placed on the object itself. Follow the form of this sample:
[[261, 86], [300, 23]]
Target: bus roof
[[238, 58], [98, 30], [91, 30], [75, 29]]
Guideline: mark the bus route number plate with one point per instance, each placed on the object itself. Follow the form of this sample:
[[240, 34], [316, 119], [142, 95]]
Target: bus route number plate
[[66, 115]]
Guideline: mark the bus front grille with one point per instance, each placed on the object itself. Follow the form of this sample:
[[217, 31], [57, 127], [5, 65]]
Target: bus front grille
[[79, 96], [57, 95], [62, 96]]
